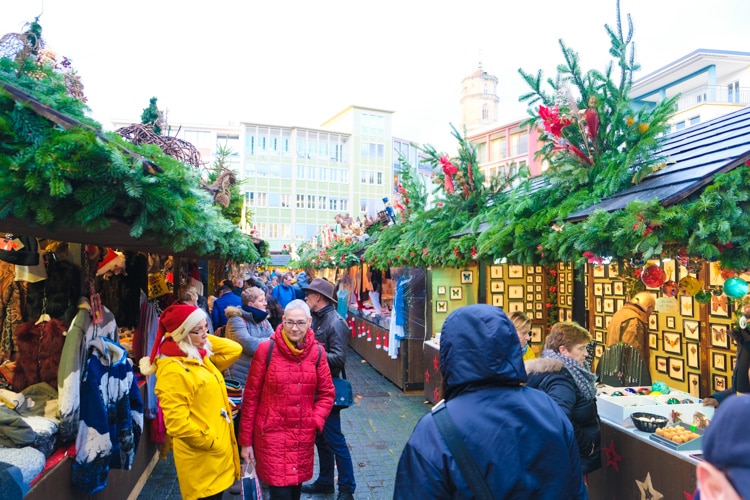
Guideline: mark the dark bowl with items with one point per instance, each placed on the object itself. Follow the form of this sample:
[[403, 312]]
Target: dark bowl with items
[[648, 422]]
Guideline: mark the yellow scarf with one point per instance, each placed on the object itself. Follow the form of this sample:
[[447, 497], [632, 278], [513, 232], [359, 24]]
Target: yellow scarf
[[295, 351]]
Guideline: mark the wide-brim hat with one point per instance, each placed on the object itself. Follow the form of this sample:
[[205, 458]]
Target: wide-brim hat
[[323, 287]]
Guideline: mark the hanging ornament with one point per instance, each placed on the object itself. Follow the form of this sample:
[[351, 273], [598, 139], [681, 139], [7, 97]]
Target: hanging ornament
[[653, 276], [717, 291], [690, 286], [682, 257], [694, 266], [636, 262], [703, 297], [670, 288], [735, 288], [742, 322]]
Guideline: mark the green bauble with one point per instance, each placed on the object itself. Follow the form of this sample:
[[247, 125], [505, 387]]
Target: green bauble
[[703, 297]]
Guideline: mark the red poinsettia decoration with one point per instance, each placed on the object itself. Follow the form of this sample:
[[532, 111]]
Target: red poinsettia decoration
[[449, 169], [553, 122]]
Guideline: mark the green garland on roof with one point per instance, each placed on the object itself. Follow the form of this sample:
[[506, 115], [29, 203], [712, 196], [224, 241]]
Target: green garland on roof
[[54, 176], [596, 143]]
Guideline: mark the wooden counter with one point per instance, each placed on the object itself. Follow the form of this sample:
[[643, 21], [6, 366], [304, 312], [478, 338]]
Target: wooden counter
[[634, 467], [405, 371]]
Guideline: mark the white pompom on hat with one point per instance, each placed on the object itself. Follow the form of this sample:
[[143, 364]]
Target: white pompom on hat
[[175, 321]]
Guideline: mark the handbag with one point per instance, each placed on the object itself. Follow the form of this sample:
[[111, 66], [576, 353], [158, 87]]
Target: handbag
[[460, 451], [250, 484], [344, 396]]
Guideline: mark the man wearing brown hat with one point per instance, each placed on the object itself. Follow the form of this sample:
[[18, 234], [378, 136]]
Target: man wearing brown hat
[[331, 331]]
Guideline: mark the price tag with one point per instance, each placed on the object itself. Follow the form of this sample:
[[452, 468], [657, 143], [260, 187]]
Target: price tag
[[157, 286]]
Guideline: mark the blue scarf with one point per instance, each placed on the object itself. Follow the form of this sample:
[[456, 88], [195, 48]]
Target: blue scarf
[[258, 315], [584, 379]]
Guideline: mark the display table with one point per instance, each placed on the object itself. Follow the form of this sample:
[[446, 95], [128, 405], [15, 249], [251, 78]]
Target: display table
[[634, 466], [55, 482]]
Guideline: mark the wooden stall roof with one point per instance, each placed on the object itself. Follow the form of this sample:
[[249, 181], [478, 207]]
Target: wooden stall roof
[[694, 157], [116, 236]]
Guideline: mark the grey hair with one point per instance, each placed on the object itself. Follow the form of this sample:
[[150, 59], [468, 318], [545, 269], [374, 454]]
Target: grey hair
[[298, 304], [251, 294]]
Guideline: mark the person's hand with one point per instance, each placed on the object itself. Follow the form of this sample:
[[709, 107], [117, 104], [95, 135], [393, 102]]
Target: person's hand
[[710, 402], [248, 455]]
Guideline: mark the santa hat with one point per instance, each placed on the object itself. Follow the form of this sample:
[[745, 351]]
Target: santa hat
[[110, 261], [175, 321]]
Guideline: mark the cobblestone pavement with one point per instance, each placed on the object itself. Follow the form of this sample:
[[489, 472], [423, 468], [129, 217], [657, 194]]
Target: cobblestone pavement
[[376, 428]]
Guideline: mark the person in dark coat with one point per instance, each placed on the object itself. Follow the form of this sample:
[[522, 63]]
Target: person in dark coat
[[519, 436], [226, 299], [561, 373], [331, 331]]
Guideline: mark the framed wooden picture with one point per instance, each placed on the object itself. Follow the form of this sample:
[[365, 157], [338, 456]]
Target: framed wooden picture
[[608, 305], [607, 321], [496, 272], [497, 286], [613, 269], [672, 342], [537, 306], [677, 369], [598, 289], [467, 277], [694, 384], [538, 278], [719, 337], [653, 322], [538, 296], [457, 293], [599, 335], [732, 363], [537, 288], [686, 306], [607, 288], [529, 288], [598, 305], [530, 269], [653, 341], [599, 350], [441, 290], [693, 355], [570, 288], [497, 299], [670, 322], [619, 303], [441, 306], [618, 288], [515, 305], [569, 300], [515, 291], [662, 365], [536, 334], [719, 361], [719, 306], [539, 315], [538, 269], [598, 271], [691, 329], [529, 297], [561, 314], [515, 271], [598, 321], [720, 382]]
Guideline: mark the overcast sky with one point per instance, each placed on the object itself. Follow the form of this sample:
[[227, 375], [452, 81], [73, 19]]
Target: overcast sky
[[300, 62]]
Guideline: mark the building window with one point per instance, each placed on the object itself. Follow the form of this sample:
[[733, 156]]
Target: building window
[[250, 199], [261, 199], [261, 227], [274, 200], [300, 201], [344, 202], [372, 150], [733, 92], [310, 201], [286, 200], [497, 149], [322, 202], [679, 125], [519, 144], [694, 120], [379, 178], [230, 143], [273, 231], [284, 231], [300, 171], [333, 204], [485, 110]]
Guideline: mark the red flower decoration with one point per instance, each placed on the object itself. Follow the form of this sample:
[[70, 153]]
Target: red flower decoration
[[424, 251], [552, 289], [449, 169], [553, 124]]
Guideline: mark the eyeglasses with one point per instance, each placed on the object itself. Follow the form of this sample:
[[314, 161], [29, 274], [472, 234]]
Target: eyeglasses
[[298, 324]]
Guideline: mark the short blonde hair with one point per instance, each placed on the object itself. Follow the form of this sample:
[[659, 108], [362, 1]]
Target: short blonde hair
[[568, 334], [251, 294], [519, 319]]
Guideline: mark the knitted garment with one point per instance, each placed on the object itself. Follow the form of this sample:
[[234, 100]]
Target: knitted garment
[[111, 416], [583, 378]]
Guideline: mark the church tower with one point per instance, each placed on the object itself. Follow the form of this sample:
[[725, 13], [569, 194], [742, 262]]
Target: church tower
[[479, 100]]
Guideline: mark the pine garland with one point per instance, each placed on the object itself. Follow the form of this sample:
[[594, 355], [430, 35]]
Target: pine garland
[[54, 177]]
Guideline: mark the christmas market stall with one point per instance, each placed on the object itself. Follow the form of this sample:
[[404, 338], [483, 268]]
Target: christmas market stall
[[91, 222]]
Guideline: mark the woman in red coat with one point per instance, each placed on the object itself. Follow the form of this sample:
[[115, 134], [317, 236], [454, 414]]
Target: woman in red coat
[[287, 399]]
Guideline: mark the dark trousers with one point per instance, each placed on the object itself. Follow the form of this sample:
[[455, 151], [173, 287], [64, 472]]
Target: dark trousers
[[214, 497], [285, 492], [332, 448]]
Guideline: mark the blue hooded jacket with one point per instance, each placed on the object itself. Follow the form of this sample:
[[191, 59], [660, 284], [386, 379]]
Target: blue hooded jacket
[[521, 440]]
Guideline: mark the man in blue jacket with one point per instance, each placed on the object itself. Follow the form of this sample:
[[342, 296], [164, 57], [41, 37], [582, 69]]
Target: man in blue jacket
[[225, 299], [519, 438]]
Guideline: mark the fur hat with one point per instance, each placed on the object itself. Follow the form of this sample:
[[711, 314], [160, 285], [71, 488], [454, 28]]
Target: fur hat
[[175, 321]]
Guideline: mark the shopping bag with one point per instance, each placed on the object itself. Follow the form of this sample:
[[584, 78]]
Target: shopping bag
[[250, 484], [344, 396]]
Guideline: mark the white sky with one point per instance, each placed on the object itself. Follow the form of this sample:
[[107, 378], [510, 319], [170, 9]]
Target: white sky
[[299, 62]]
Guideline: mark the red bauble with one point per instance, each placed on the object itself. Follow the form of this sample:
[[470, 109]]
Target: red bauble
[[653, 276]]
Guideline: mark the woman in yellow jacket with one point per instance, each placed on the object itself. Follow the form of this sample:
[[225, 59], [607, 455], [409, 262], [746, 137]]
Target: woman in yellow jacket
[[523, 329], [193, 399]]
